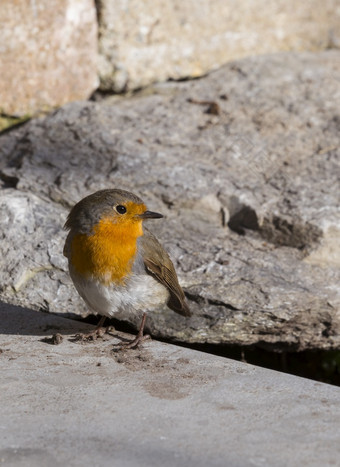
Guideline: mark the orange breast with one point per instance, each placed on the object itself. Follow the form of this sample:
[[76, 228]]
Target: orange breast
[[108, 253]]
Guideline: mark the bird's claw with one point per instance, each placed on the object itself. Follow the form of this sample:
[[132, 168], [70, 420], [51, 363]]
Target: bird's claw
[[133, 344], [93, 335]]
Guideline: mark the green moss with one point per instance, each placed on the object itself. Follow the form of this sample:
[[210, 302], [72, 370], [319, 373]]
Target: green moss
[[7, 121]]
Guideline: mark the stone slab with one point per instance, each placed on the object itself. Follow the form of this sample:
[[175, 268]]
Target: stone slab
[[83, 404]]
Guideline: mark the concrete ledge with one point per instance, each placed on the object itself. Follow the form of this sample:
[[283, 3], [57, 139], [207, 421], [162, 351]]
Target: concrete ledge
[[82, 404]]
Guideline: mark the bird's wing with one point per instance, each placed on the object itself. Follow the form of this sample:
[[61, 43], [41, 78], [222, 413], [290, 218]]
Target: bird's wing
[[66, 251], [159, 265]]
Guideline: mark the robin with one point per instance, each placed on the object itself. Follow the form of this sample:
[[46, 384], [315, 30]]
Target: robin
[[115, 263]]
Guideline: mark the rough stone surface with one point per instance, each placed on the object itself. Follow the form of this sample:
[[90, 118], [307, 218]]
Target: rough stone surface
[[80, 404], [144, 42], [248, 181], [48, 54]]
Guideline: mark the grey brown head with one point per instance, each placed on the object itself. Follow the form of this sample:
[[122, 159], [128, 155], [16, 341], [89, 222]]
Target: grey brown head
[[121, 205]]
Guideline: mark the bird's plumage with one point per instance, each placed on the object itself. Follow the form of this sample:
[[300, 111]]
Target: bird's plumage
[[114, 262]]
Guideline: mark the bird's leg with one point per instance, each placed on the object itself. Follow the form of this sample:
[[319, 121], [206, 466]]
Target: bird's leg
[[96, 333], [138, 339]]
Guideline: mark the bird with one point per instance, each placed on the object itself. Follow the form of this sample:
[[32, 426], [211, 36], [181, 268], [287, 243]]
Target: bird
[[116, 263]]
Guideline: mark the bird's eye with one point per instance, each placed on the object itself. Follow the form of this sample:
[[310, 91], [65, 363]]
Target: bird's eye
[[121, 209]]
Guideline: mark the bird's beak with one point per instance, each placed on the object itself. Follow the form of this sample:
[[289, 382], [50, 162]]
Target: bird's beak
[[150, 215]]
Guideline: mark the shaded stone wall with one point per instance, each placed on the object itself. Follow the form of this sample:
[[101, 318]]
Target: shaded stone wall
[[50, 54]]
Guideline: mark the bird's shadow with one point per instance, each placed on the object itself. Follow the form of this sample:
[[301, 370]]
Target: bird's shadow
[[17, 320], [27, 322]]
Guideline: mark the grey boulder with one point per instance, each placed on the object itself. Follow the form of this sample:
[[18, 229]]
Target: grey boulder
[[244, 163]]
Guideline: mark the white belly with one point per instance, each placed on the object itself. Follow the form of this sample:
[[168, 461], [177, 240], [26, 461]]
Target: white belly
[[142, 293]]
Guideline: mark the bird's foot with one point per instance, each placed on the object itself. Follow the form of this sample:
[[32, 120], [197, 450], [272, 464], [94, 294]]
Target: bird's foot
[[134, 343], [98, 333]]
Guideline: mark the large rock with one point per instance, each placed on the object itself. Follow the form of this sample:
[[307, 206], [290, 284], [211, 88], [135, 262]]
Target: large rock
[[245, 165], [144, 42], [48, 54]]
